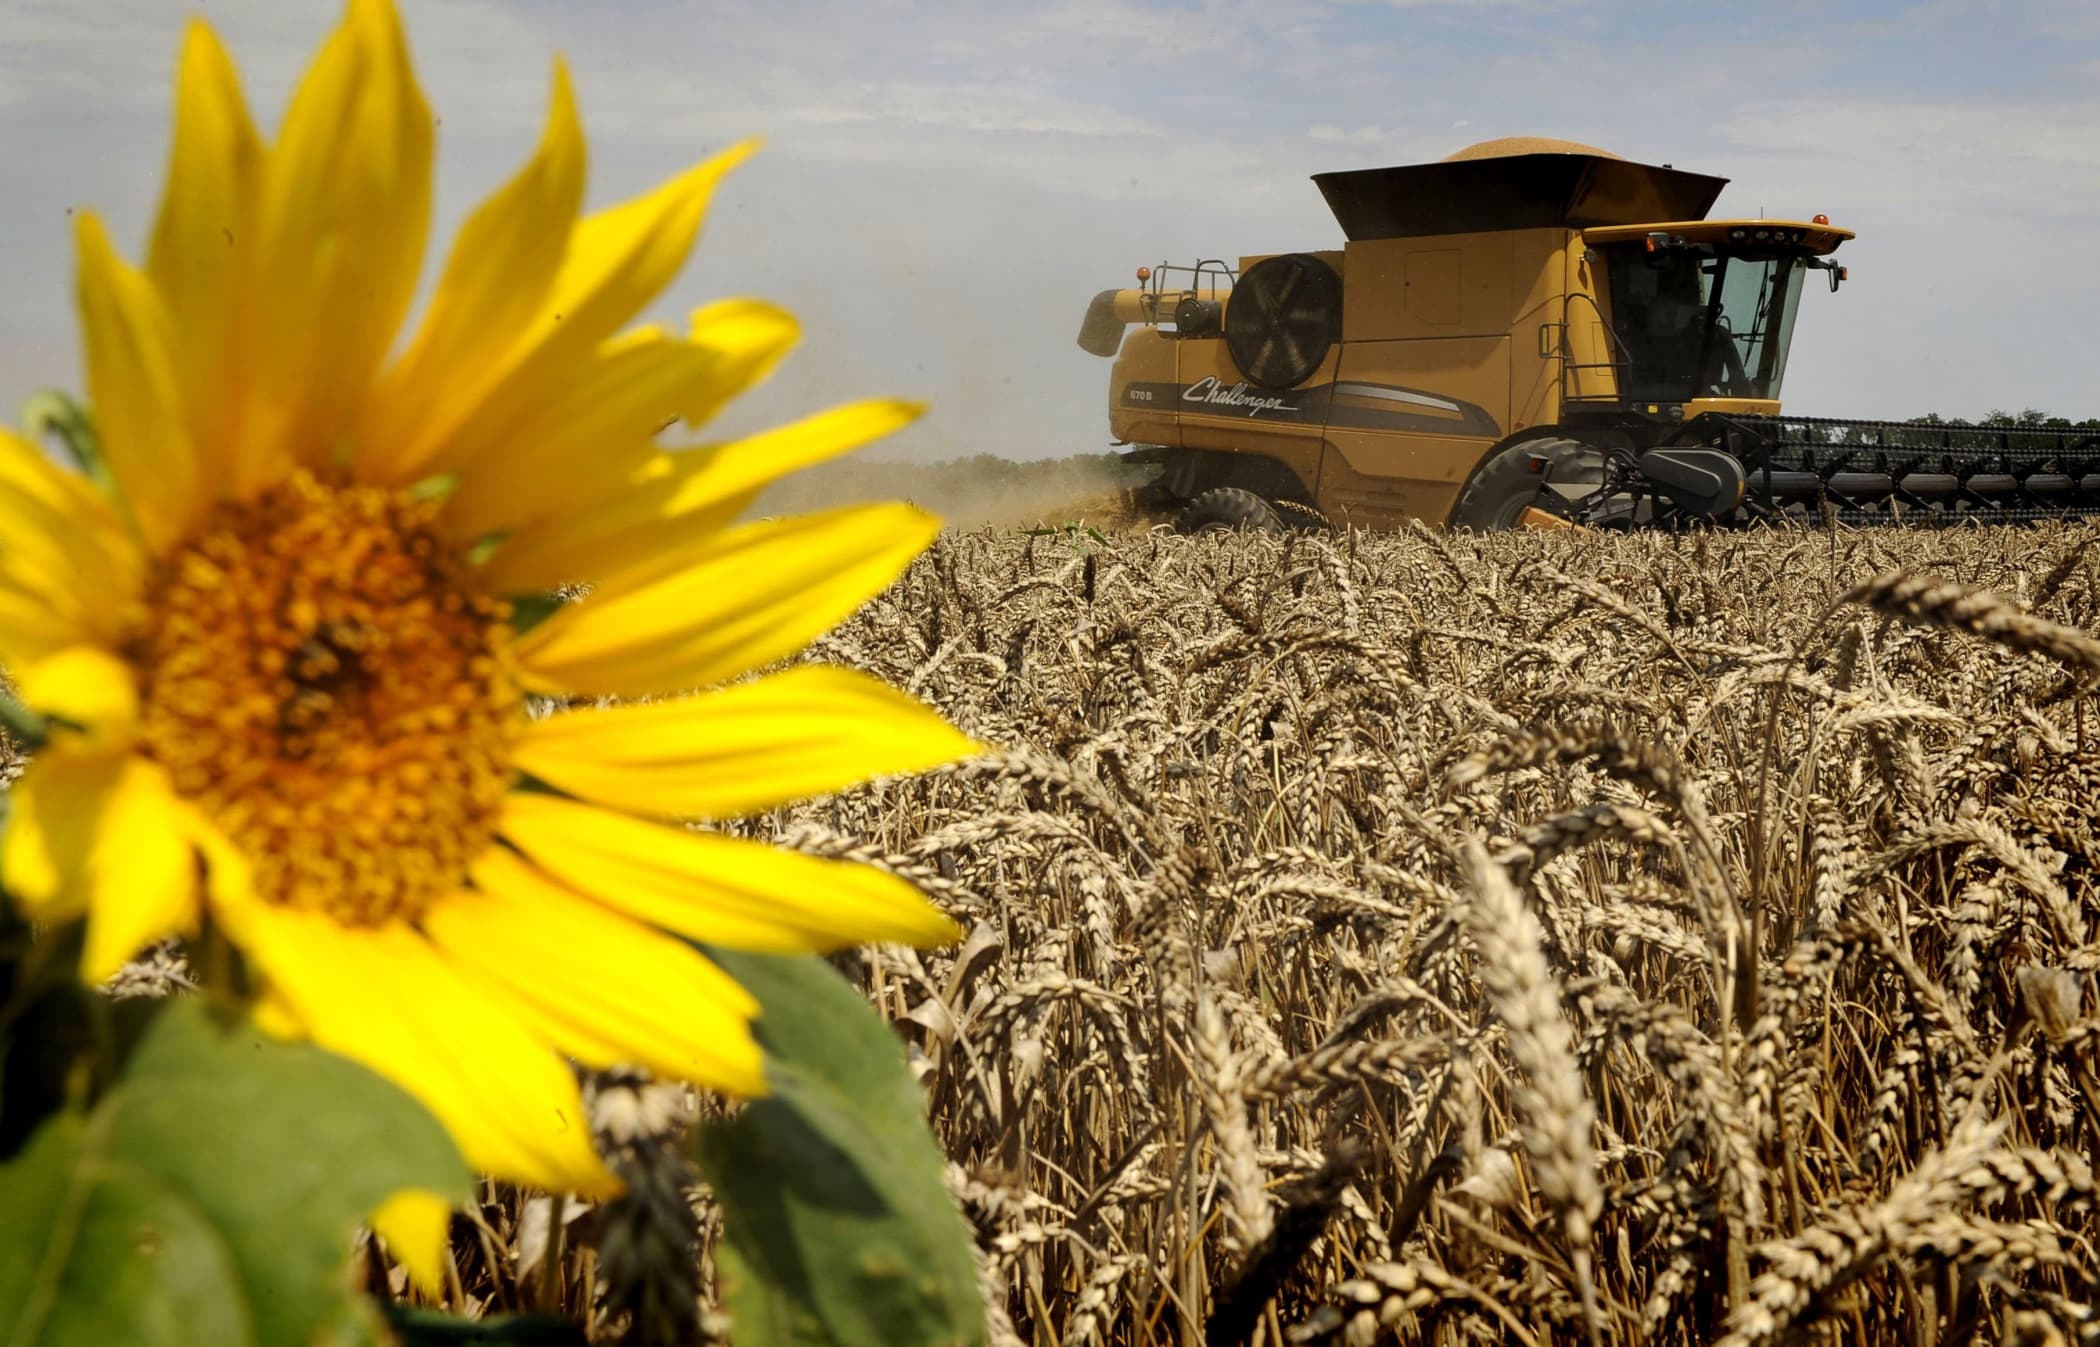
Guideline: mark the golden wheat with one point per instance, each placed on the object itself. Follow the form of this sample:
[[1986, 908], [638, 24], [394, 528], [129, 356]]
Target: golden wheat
[[1432, 938], [1822, 1044]]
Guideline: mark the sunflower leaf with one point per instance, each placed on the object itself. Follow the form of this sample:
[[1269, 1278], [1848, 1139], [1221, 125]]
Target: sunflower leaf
[[55, 414], [211, 1196], [837, 1225], [96, 1251]]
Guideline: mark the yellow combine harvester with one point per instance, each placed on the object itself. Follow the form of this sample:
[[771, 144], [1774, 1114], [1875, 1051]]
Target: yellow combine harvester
[[1528, 332]]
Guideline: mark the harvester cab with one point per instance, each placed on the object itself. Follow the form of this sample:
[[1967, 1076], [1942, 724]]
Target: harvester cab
[[1700, 312], [1528, 332]]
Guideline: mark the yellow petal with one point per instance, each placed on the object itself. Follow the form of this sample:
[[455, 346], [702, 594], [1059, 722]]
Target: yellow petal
[[751, 746], [228, 879], [622, 258], [345, 208], [69, 513], [33, 862], [719, 890], [416, 1225], [749, 337], [25, 468], [31, 630], [90, 692], [618, 260], [67, 567], [57, 532], [275, 1016], [494, 283], [105, 835], [726, 605], [605, 989], [691, 493], [132, 382], [588, 443], [383, 997], [204, 238], [144, 875]]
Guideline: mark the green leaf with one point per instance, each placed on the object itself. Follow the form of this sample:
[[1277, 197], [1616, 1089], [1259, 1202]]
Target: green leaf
[[94, 1251], [252, 1161], [52, 413], [529, 610], [764, 1309], [837, 1226]]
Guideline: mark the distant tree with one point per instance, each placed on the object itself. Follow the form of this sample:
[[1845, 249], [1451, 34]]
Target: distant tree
[[2030, 418]]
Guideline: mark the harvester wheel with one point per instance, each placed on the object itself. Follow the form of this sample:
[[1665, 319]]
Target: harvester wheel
[[1227, 509], [1496, 496]]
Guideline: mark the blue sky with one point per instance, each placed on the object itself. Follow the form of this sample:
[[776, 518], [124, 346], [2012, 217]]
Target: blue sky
[[946, 184]]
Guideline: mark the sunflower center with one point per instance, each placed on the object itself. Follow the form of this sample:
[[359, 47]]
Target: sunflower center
[[322, 679]]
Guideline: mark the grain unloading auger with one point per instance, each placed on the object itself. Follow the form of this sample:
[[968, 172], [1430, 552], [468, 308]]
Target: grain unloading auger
[[1531, 332]]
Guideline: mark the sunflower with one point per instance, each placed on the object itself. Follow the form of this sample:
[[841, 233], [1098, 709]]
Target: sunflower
[[286, 647]]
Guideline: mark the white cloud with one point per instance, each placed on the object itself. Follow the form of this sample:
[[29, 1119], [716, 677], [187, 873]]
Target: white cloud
[[974, 107], [1362, 135]]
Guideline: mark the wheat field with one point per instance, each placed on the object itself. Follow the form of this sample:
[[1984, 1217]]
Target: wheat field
[[1429, 939], [1534, 938]]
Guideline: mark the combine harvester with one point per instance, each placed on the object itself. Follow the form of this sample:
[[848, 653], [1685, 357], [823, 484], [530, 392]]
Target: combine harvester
[[1530, 332]]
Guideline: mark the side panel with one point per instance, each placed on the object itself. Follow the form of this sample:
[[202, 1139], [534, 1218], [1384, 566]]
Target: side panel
[[1141, 401], [1540, 285], [1409, 421], [1591, 372], [1452, 285], [1220, 410], [1333, 257]]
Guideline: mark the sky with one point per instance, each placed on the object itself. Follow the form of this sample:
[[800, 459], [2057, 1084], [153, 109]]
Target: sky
[[947, 183]]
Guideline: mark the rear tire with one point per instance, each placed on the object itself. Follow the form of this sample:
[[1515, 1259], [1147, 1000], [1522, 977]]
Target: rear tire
[[1227, 509], [1499, 492]]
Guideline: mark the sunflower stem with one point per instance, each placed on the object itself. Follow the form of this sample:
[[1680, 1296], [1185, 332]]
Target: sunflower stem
[[220, 974]]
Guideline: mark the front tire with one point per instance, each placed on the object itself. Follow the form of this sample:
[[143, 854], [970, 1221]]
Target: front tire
[[1228, 509], [1495, 497]]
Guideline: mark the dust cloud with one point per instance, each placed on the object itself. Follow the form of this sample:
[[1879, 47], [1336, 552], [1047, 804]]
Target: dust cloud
[[972, 492]]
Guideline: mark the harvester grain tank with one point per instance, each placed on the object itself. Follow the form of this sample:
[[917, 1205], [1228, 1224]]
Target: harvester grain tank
[[1529, 332]]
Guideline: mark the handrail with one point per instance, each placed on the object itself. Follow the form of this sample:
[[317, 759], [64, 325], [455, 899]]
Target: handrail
[[1209, 272], [1621, 368]]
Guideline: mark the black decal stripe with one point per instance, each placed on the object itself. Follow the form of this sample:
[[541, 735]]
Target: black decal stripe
[[1320, 406]]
